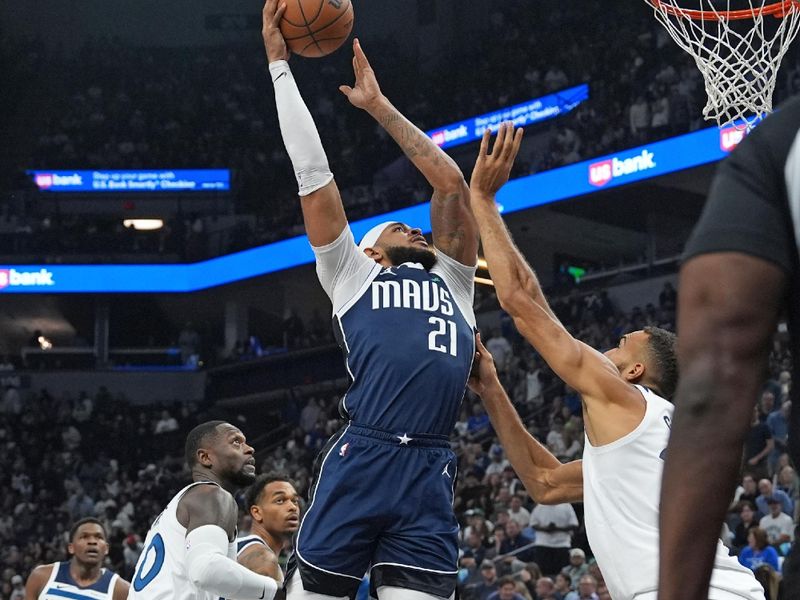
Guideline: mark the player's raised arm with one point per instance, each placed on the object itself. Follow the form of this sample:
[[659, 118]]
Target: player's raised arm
[[323, 212], [593, 375], [547, 480], [454, 229], [210, 515]]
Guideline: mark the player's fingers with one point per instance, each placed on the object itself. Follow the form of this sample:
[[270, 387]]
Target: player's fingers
[[279, 14], [497, 151], [484, 143], [517, 143], [346, 90], [359, 52], [511, 143]]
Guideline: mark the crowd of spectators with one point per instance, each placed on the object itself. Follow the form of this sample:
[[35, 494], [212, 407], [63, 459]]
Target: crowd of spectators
[[125, 107], [65, 458]]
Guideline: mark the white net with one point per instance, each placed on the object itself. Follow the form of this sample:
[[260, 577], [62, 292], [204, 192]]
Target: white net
[[738, 49]]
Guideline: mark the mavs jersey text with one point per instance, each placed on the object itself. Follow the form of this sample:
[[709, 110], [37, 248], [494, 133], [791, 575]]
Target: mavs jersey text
[[621, 489], [383, 489], [161, 569], [61, 585]]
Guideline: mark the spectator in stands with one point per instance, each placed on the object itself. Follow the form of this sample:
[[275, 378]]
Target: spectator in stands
[[758, 446], [778, 423], [546, 589], [747, 491], [758, 551], [778, 526], [498, 461], [166, 424], [189, 342], [577, 566], [517, 512], [497, 343], [747, 521], [563, 585], [517, 546], [788, 482], [487, 585], [767, 492], [506, 590], [585, 590], [554, 525]]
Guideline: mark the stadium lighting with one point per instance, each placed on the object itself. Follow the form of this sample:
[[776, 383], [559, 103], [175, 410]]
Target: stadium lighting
[[144, 224]]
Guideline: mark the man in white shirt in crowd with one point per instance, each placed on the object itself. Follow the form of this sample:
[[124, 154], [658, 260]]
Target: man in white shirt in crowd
[[554, 525]]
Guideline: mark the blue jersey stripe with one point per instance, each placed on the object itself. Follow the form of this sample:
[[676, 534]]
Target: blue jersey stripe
[[68, 594]]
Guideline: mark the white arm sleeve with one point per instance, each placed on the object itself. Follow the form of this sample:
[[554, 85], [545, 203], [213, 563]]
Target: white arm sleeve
[[209, 568], [299, 133], [461, 281], [343, 269]]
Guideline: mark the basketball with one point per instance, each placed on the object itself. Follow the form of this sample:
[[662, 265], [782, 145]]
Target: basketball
[[315, 28]]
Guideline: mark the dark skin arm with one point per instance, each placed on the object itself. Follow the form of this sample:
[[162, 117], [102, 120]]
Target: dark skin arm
[[454, 229], [260, 559], [208, 505], [121, 589], [37, 580], [546, 479], [728, 308]]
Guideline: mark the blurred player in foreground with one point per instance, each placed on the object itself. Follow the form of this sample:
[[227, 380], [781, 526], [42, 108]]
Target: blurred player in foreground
[[383, 485], [274, 507], [742, 270], [190, 550], [83, 575], [626, 417]]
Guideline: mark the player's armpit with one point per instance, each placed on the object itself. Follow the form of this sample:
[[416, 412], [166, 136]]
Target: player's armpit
[[323, 215], [261, 559], [121, 589], [36, 581]]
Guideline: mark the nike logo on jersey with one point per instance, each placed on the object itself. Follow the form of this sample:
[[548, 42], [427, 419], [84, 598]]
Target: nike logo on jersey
[[389, 271], [273, 81]]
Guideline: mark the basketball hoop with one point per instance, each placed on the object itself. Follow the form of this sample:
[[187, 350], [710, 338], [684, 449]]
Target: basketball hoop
[[737, 51]]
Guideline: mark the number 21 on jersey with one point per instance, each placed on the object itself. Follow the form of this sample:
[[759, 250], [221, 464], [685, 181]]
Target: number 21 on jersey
[[443, 337]]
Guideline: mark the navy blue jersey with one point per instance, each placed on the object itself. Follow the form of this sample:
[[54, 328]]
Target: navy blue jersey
[[407, 335]]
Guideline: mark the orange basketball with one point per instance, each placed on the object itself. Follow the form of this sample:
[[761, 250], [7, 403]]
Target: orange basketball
[[314, 28]]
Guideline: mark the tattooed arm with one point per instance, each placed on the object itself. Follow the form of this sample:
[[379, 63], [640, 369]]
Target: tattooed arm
[[455, 231]]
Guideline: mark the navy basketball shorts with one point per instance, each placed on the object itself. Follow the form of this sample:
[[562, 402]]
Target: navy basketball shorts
[[381, 501]]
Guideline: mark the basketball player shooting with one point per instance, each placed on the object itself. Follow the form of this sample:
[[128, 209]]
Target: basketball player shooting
[[402, 312], [626, 417], [190, 551]]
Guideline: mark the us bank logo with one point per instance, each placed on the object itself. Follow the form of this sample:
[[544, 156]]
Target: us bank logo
[[11, 278], [600, 173], [730, 137]]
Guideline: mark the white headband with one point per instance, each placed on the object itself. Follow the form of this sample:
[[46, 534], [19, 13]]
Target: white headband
[[369, 239]]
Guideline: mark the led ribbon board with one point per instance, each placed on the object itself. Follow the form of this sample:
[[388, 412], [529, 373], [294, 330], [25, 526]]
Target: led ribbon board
[[527, 113], [181, 180], [637, 164]]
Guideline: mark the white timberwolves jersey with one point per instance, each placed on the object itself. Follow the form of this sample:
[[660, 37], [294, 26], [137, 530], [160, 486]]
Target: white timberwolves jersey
[[621, 492], [161, 568], [61, 585]]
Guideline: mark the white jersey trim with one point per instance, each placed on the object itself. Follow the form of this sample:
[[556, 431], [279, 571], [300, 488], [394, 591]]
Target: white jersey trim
[[393, 564], [311, 506]]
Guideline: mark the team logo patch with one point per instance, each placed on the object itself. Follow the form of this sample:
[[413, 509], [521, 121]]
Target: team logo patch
[[343, 450]]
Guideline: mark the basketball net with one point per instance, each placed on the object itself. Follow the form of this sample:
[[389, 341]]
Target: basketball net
[[737, 51]]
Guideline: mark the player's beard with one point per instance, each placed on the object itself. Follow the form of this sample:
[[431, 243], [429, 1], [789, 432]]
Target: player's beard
[[402, 254]]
